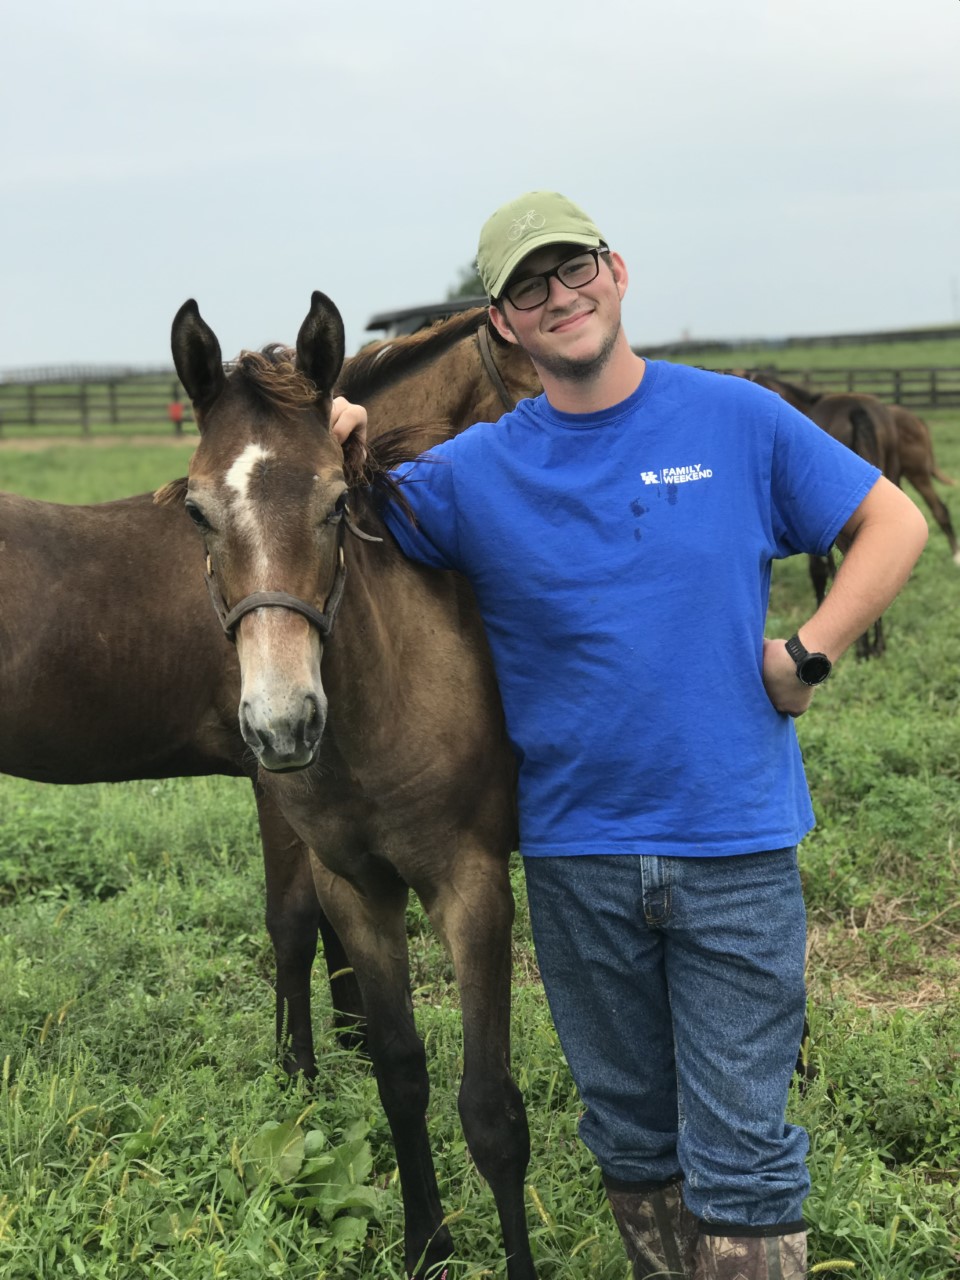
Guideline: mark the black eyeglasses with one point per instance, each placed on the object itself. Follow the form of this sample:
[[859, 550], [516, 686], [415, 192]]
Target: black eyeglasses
[[572, 273]]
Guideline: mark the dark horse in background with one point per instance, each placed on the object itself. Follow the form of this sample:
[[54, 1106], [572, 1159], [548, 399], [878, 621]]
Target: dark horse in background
[[113, 666], [868, 427], [377, 725], [914, 445]]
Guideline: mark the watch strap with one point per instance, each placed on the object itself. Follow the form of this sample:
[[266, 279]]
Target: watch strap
[[796, 649]]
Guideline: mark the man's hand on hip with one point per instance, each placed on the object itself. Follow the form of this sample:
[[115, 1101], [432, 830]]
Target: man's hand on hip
[[784, 688]]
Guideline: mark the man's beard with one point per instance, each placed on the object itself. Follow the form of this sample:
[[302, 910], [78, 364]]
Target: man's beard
[[585, 370]]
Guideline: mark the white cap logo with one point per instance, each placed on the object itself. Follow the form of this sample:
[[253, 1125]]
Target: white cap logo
[[529, 221]]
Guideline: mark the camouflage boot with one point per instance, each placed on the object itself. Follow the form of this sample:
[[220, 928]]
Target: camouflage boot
[[782, 1257], [658, 1230]]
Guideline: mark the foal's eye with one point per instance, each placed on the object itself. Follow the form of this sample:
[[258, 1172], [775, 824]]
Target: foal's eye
[[196, 515], [339, 508]]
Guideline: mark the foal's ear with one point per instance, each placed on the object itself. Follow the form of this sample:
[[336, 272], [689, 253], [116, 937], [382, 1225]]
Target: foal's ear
[[320, 343], [196, 355]]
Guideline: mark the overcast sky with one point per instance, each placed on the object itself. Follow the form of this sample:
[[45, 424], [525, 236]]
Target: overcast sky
[[766, 167]]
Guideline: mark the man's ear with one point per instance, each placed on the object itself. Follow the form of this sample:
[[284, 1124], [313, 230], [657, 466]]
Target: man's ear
[[499, 322], [619, 269]]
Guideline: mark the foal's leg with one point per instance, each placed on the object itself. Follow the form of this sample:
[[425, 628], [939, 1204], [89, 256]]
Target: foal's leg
[[294, 916], [879, 646], [472, 910], [373, 927]]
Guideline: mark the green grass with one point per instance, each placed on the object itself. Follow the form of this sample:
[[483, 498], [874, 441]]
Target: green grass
[[145, 1130], [133, 428], [84, 472]]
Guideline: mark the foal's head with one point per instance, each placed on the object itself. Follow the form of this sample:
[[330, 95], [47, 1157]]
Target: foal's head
[[267, 491]]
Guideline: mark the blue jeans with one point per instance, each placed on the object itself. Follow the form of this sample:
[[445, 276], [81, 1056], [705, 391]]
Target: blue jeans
[[676, 987]]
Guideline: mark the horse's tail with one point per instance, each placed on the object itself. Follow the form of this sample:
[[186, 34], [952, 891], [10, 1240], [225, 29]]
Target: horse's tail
[[864, 440]]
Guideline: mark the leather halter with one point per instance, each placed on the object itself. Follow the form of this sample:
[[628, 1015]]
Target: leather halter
[[322, 620], [493, 373]]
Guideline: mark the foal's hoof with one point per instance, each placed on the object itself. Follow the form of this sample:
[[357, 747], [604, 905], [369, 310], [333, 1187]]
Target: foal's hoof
[[299, 1067]]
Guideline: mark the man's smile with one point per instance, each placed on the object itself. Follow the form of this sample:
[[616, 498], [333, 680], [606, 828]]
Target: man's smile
[[568, 323]]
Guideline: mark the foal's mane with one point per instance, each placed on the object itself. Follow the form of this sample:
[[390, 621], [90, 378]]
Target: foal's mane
[[272, 377]]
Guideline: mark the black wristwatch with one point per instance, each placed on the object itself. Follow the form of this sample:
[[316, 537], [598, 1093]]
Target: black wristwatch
[[812, 668]]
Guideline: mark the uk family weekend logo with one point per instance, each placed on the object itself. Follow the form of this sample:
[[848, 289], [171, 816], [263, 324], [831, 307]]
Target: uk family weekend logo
[[677, 475]]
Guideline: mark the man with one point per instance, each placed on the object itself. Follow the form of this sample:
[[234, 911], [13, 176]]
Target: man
[[619, 533]]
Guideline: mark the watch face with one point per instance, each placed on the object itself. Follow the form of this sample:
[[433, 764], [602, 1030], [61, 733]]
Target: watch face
[[814, 669]]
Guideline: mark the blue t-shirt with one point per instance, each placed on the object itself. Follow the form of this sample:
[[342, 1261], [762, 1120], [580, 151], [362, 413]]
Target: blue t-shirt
[[621, 561]]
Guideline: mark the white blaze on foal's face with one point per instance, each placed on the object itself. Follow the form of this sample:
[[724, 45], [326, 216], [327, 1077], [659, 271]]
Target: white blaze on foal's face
[[277, 666], [239, 478]]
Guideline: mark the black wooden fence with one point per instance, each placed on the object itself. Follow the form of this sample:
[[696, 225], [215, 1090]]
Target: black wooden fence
[[921, 387], [122, 403]]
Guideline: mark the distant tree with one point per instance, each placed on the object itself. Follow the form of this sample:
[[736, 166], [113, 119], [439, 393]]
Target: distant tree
[[469, 286]]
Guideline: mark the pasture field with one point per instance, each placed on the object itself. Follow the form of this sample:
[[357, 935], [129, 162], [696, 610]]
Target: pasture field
[[146, 1132], [867, 355], [87, 472]]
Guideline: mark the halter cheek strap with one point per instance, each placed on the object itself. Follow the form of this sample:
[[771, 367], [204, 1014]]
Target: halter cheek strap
[[493, 373]]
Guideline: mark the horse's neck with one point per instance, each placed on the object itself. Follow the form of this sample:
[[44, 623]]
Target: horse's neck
[[454, 391], [408, 650]]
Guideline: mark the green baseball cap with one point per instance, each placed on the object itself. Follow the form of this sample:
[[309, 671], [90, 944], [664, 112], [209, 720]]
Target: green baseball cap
[[539, 218]]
